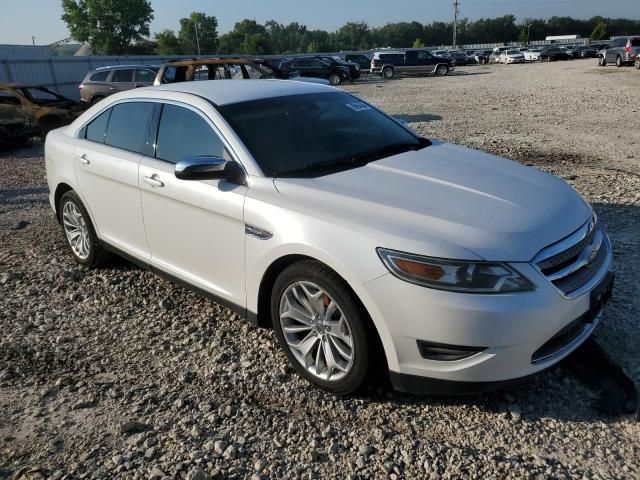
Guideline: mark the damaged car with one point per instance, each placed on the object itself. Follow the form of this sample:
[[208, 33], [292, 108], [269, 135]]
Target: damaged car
[[48, 110], [16, 128]]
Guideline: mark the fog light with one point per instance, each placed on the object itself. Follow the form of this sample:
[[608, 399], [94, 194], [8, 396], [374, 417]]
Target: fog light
[[446, 353]]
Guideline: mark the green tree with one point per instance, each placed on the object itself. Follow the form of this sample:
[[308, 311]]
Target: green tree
[[167, 43], [353, 36], [523, 38], [207, 33], [109, 26], [417, 43], [599, 31], [247, 37]]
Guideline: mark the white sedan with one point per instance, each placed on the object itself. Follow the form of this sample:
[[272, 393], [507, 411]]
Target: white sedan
[[511, 56], [367, 248], [532, 55]]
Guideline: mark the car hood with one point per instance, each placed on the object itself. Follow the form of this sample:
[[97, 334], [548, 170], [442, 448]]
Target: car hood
[[445, 201]]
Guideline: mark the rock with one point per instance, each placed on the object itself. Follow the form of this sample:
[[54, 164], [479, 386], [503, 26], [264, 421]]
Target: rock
[[220, 446], [83, 404], [117, 460], [150, 453], [150, 442], [156, 473], [133, 427], [230, 452], [197, 473], [7, 277], [19, 225]]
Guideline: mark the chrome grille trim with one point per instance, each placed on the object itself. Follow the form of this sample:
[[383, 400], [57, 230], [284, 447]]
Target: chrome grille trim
[[575, 264]]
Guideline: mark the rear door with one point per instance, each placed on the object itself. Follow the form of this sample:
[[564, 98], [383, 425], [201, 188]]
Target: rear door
[[107, 159], [411, 62], [121, 80], [195, 228], [143, 77]]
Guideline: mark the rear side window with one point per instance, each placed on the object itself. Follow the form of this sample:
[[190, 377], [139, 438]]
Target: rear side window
[[183, 133], [120, 76], [96, 130], [634, 42], [129, 126], [99, 76], [391, 56]]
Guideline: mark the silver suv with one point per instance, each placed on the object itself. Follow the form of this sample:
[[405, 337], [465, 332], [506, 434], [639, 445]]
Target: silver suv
[[105, 81], [621, 51]]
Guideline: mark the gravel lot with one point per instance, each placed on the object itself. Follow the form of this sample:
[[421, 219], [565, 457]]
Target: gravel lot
[[117, 373]]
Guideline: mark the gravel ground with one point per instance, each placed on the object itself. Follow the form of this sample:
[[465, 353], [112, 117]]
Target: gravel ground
[[117, 373]]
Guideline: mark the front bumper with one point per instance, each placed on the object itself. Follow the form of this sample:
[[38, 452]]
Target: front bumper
[[509, 329]]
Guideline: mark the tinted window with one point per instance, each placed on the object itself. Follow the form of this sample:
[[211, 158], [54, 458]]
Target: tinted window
[[634, 42], [8, 98], [129, 126], [183, 133], [99, 76], [145, 76], [292, 135], [96, 129], [122, 76]]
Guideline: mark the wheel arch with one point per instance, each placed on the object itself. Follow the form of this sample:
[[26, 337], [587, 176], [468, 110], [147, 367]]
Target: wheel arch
[[63, 186], [61, 189], [263, 316]]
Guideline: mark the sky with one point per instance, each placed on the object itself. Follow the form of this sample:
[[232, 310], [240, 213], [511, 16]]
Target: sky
[[22, 19]]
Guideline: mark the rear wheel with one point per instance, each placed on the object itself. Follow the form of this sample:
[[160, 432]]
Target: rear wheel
[[442, 70], [388, 73], [602, 61], [619, 61], [334, 79], [321, 327], [79, 232], [638, 62]]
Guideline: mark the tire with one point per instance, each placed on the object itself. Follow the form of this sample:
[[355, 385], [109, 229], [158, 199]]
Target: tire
[[638, 62], [540, 59], [73, 217], [334, 79], [442, 70], [602, 62], [387, 73], [548, 58], [316, 285], [619, 61]]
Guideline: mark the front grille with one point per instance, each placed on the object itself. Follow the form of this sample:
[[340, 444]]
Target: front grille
[[573, 263]]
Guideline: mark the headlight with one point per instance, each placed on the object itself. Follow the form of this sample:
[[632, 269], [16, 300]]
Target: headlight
[[454, 275]]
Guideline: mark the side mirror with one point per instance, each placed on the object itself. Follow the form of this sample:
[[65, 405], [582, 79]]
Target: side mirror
[[201, 168]]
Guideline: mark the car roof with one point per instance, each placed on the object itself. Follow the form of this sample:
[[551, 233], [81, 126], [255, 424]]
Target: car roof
[[212, 61], [225, 92], [116, 67]]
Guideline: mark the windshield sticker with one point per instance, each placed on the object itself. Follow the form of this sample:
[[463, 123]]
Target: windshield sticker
[[358, 106]]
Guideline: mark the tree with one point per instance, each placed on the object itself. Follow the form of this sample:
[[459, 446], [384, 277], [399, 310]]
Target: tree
[[167, 43], [248, 37], [523, 38], [353, 36], [207, 33], [417, 43], [109, 26], [599, 32]]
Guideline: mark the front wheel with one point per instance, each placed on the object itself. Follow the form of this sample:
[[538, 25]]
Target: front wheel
[[79, 232], [321, 327], [638, 62], [442, 70], [601, 61], [334, 79]]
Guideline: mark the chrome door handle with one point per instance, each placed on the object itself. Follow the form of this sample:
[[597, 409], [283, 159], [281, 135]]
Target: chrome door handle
[[84, 160], [153, 181], [112, 88]]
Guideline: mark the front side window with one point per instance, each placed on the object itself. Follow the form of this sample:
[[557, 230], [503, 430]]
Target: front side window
[[122, 76], [311, 134], [145, 76], [182, 133], [129, 126], [96, 129]]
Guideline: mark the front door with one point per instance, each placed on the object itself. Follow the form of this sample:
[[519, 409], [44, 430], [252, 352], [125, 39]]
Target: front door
[[195, 229], [107, 159]]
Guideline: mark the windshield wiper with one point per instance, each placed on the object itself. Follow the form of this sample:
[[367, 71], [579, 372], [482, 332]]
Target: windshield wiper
[[355, 161]]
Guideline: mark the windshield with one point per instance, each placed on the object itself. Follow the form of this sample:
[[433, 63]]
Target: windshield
[[37, 93], [315, 134]]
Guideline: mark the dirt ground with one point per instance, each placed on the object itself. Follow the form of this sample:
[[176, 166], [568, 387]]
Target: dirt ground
[[117, 373]]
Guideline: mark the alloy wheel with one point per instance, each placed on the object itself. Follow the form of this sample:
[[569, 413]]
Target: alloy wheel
[[76, 230], [316, 331]]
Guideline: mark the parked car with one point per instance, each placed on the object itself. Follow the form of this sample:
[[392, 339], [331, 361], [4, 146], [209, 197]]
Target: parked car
[[360, 58], [105, 81], [46, 109], [354, 68], [532, 54], [621, 51], [364, 246], [551, 54], [511, 56], [569, 51], [391, 63], [16, 128], [586, 51], [482, 56], [313, 67], [210, 69], [458, 57]]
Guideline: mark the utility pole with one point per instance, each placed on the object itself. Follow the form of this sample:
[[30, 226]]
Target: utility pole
[[33, 40], [195, 24], [456, 4]]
